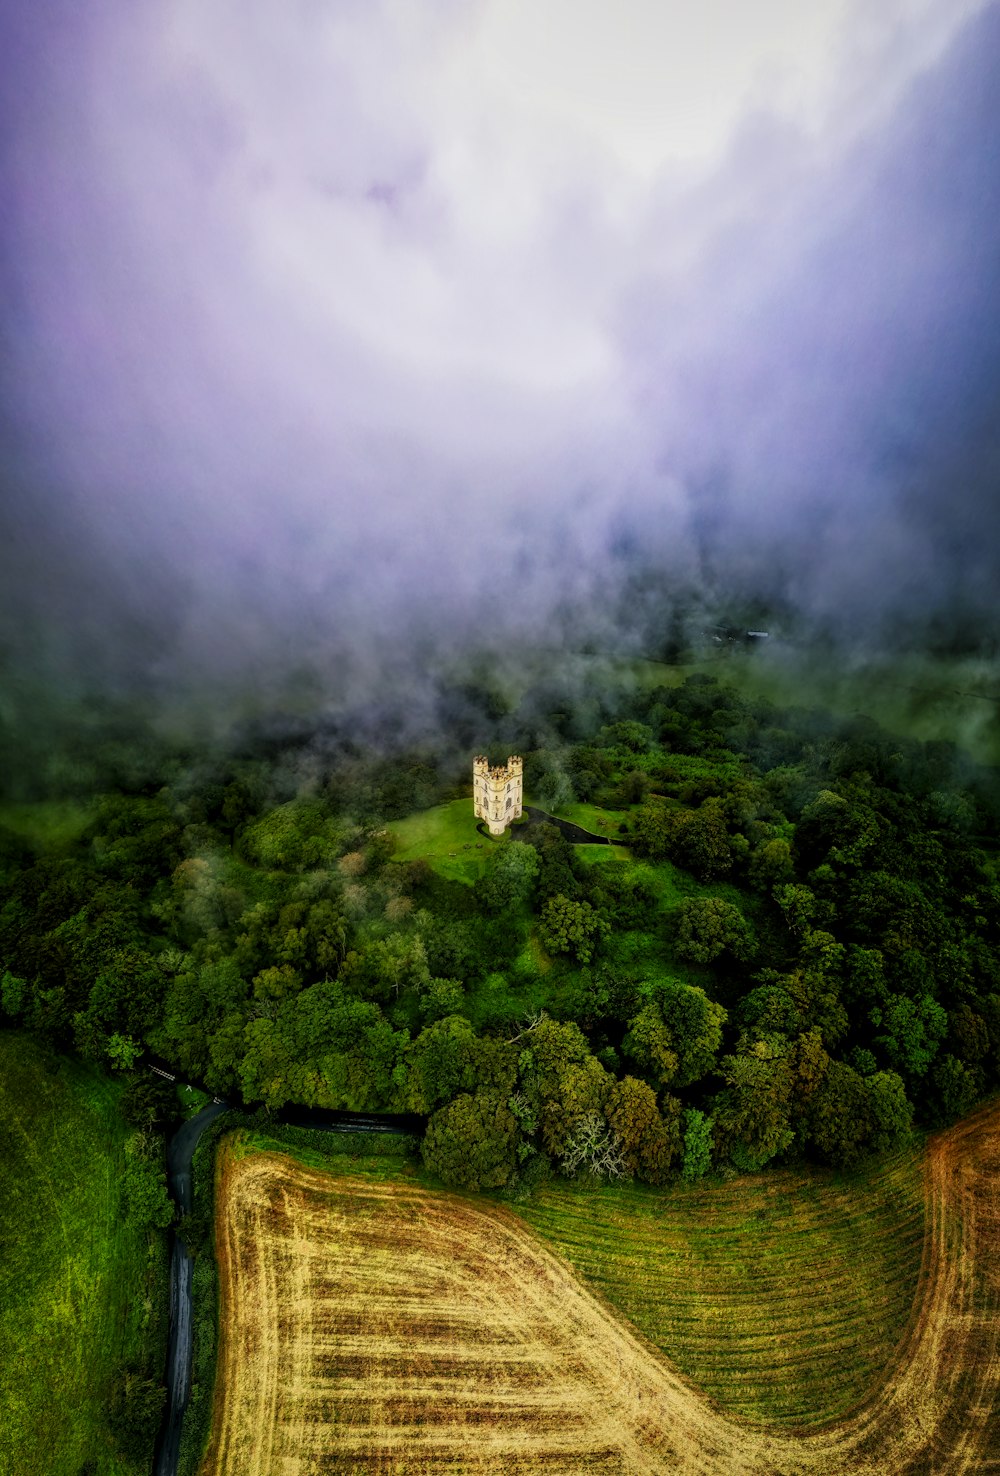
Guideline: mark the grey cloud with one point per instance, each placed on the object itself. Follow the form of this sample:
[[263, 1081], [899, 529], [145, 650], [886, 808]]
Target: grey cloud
[[315, 378]]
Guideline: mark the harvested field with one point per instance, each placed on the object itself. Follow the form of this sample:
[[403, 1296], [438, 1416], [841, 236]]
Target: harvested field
[[374, 1326]]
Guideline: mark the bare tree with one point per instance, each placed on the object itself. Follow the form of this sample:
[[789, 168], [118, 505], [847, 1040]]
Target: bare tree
[[595, 1146]]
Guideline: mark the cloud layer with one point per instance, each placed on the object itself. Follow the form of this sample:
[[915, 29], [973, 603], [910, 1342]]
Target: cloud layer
[[332, 329]]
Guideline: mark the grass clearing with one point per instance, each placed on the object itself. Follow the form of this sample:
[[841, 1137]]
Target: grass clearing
[[82, 1291], [372, 1324], [446, 837], [595, 818], [191, 1099], [597, 855]]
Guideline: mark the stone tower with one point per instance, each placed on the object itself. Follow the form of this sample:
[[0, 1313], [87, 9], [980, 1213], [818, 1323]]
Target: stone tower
[[497, 793]]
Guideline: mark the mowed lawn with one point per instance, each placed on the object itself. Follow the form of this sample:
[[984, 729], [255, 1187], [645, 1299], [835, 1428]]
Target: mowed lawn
[[595, 818], [446, 837], [782, 1296], [73, 1274]]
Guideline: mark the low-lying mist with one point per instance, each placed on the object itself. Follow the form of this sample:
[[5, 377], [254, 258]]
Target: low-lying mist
[[325, 374]]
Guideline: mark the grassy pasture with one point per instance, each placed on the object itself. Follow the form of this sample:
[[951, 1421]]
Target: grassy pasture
[[80, 1288], [370, 1323], [783, 1296]]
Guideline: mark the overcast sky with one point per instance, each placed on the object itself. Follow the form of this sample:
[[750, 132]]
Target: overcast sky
[[334, 324]]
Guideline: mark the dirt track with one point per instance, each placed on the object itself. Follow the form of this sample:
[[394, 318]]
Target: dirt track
[[376, 1327]]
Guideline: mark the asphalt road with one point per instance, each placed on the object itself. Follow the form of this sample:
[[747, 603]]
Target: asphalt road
[[575, 834], [180, 1151]]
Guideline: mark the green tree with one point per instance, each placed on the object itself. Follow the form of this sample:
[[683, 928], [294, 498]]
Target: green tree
[[511, 873], [441, 997], [770, 864], [694, 1023], [651, 1046], [912, 1031], [850, 1115], [471, 1143], [144, 1185], [752, 1114], [697, 1156], [652, 828], [293, 837], [560, 1080], [441, 1062], [572, 927], [631, 736], [707, 927], [134, 1414], [890, 1113], [123, 1052], [954, 1088], [581, 1093], [701, 840], [14, 994]]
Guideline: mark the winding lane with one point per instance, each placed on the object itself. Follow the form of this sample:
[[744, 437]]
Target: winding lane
[[575, 834], [180, 1152]]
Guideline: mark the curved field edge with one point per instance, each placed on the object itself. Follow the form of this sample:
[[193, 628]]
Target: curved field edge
[[83, 1290], [782, 1296], [379, 1326]]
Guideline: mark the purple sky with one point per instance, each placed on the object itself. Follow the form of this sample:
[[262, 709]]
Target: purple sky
[[329, 327]]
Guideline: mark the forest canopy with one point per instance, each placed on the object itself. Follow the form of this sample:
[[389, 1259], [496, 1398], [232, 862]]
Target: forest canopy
[[791, 951]]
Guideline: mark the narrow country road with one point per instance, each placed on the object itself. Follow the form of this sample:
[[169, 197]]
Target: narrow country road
[[575, 834], [180, 1153]]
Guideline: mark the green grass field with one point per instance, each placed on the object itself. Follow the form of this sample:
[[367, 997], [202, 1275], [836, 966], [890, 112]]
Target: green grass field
[[446, 837], [597, 855], [595, 818], [782, 1296], [82, 1292]]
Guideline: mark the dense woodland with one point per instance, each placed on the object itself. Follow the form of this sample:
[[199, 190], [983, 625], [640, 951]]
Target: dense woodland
[[797, 955]]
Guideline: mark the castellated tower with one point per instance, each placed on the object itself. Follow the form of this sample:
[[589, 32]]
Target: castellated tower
[[496, 793]]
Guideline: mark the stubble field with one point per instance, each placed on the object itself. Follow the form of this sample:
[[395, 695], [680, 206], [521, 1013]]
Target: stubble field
[[379, 1327]]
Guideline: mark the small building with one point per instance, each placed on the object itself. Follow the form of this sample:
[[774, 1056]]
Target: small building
[[730, 635], [497, 794]]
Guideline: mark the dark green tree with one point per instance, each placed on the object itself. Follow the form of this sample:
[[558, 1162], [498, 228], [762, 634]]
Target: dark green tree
[[471, 1142]]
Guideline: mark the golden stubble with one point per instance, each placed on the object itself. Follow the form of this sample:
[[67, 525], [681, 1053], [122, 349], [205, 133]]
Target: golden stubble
[[377, 1327]]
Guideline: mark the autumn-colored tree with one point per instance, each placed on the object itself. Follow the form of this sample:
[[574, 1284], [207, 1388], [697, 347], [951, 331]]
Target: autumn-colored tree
[[649, 1137]]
